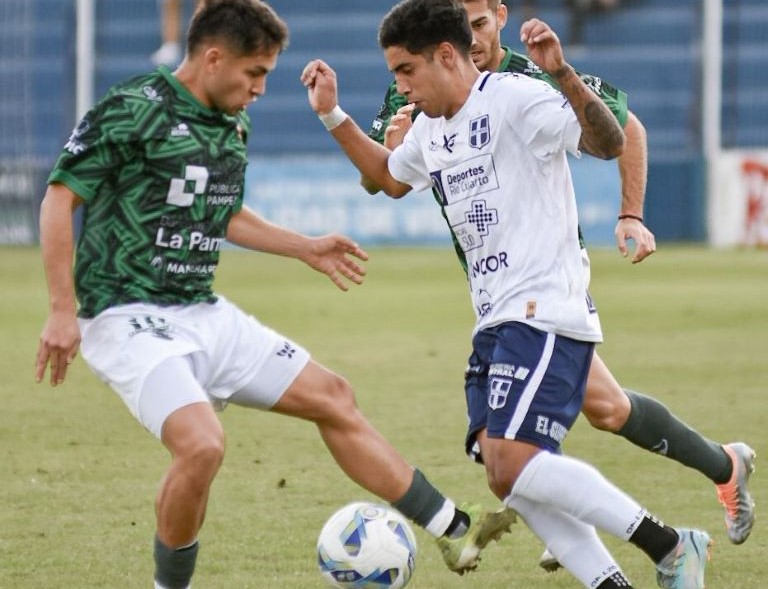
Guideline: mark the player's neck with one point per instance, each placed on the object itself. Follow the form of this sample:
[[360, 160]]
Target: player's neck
[[498, 57], [189, 75], [462, 90]]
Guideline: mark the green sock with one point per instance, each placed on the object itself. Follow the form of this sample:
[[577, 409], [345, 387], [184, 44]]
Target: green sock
[[652, 426], [174, 567], [421, 501]]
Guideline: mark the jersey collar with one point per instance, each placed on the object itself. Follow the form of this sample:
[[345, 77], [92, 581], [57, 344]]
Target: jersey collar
[[507, 57]]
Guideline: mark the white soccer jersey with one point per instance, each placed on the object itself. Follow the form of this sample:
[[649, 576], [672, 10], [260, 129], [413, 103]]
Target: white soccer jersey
[[501, 170]]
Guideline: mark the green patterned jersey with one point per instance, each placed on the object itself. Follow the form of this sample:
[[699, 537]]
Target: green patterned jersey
[[161, 175], [516, 63]]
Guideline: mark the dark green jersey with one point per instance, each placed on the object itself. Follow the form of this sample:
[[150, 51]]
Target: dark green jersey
[[161, 175], [516, 63]]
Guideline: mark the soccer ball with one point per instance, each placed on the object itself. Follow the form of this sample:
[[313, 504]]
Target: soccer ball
[[366, 546]]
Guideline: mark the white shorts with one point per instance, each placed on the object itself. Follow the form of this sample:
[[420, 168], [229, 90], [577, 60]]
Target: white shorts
[[229, 352]]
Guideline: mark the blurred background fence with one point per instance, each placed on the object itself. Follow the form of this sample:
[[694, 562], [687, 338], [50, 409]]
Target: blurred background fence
[[658, 51]]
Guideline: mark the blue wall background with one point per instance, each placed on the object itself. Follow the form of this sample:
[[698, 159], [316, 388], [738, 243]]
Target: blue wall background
[[650, 48]]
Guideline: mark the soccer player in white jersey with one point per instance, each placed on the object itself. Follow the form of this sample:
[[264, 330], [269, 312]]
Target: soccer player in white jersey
[[494, 147], [636, 416]]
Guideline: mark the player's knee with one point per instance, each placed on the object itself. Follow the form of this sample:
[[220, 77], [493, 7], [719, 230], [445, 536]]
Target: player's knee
[[501, 486], [609, 413], [606, 406], [203, 455], [340, 402], [500, 481]]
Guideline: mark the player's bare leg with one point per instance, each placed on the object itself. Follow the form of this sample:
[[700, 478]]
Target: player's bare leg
[[606, 406], [195, 439], [320, 396], [325, 398], [194, 436]]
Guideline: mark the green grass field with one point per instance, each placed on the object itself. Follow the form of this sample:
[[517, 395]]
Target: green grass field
[[78, 475]]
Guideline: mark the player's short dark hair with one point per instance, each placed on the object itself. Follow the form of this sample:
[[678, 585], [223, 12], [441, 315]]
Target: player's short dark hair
[[245, 26], [421, 25], [492, 4]]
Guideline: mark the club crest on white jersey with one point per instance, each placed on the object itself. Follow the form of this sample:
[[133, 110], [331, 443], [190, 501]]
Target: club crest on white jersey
[[479, 132]]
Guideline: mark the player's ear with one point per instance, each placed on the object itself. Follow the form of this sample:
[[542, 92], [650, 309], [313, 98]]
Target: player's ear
[[212, 57], [446, 53], [501, 15]]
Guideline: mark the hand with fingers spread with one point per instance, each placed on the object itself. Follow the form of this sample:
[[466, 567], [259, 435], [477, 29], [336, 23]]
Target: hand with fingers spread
[[331, 255]]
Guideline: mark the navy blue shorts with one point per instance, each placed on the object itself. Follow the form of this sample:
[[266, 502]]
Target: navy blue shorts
[[524, 384]]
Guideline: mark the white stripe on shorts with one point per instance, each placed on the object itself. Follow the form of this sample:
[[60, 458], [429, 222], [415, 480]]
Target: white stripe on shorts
[[530, 390]]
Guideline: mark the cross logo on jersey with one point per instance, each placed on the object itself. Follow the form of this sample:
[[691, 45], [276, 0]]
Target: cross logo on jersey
[[478, 219], [481, 217], [479, 132]]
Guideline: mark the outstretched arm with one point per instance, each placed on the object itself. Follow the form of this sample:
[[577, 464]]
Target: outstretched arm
[[369, 157], [329, 254], [601, 134], [633, 169], [60, 338]]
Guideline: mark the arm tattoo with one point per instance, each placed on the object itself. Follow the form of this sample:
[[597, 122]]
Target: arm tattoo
[[605, 133], [601, 134]]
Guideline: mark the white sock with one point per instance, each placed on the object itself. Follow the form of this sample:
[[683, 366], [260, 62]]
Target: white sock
[[159, 586], [442, 519], [575, 544], [578, 489]]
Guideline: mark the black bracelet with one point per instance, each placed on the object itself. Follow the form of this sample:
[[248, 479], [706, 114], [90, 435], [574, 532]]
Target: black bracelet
[[628, 216]]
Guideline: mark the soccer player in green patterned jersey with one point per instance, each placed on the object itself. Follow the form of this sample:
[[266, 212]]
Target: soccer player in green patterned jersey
[[639, 418], [158, 167]]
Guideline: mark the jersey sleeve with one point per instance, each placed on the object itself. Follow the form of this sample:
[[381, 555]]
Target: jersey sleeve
[[614, 98], [103, 140], [392, 102], [541, 117], [406, 163]]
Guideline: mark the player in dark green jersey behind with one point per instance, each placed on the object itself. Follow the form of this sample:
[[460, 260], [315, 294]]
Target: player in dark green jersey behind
[[158, 167], [640, 419]]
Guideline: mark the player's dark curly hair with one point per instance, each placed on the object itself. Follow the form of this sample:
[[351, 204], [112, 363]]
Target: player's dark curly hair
[[420, 25], [245, 26]]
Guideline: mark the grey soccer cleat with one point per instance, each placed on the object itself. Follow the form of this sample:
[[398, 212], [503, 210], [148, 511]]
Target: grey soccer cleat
[[734, 495]]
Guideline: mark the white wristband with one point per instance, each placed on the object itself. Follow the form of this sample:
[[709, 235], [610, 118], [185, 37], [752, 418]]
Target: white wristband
[[333, 119]]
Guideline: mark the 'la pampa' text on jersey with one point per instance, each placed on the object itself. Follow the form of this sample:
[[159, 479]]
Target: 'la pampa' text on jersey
[[500, 168], [161, 175]]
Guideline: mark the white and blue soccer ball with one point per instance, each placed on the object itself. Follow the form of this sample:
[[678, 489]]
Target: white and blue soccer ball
[[366, 546]]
